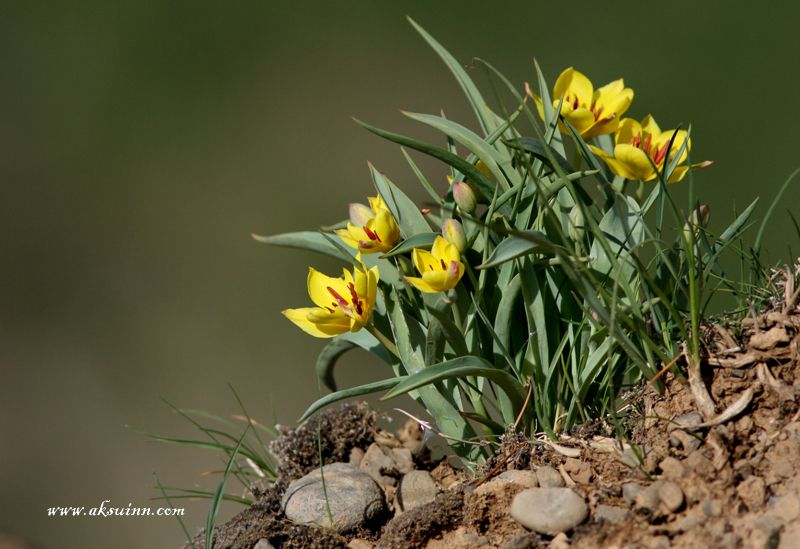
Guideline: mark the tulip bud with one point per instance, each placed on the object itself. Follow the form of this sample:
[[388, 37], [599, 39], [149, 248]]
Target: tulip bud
[[360, 214], [464, 196], [699, 218], [576, 228], [454, 234]]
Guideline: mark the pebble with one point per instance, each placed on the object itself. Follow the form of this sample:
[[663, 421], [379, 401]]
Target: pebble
[[263, 543], [671, 496], [630, 491], [351, 495], [526, 479], [548, 477], [549, 510], [671, 467], [610, 513], [752, 491], [358, 543], [648, 498], [378, 461], [403, 460], [417, 488]]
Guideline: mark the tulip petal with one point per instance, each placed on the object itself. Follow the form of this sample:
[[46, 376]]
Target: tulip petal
[[582, 119], [423, 260], [387, 230], [318, 322], [681, 136], [678, 173], [635, 160], [616, 166], [628, 130], [421, 284], [318, 285], [649, 125], [573, 83]]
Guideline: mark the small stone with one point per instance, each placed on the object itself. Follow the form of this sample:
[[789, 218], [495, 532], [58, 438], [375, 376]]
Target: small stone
[[648, 498], [671, 496], [688, 441], [671, 467], [351, 496], [548, 477], [560, 541], [549, 510], [686, 421], [263, 543], [387, 440], [700, 464], [416, 488], [356, 455], [752, 491], [610, 513], [630, 491], [526, 479], [379, 464], [580, 471], [403, 460]]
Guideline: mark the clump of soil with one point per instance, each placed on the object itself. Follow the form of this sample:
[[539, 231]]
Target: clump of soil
[[335, 433], [729, 478]]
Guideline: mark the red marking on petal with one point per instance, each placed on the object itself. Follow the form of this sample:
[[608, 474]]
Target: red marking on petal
[[340, 301], [371, 234]]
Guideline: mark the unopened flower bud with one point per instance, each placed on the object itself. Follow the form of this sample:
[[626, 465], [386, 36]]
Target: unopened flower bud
[[360, 214], [699, 218], [464, 196], [454, 233], [576, 228]]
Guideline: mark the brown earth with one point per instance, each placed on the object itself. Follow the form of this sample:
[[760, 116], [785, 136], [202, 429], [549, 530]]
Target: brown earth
[[729, 479]]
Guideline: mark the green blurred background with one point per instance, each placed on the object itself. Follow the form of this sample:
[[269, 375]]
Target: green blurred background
[[142, 142]]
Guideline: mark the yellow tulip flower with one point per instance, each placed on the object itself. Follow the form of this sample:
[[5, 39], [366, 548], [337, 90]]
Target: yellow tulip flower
[[342, 304], [591, 112], [372, 228], [640, 149], [441, 268]]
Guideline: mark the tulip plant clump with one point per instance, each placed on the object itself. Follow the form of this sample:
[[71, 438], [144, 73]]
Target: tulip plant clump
[[550, 274]]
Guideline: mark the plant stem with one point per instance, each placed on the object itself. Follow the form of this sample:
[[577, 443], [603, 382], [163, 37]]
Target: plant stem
[[385, 341]]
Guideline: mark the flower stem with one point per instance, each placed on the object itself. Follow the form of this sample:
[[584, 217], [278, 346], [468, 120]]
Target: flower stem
[[385, 341]]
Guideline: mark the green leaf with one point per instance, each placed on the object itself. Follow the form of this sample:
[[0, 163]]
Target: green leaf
[[368, 342], [459, 368], [421, 177], [534, 147], [366, 389], [422, 240], [314, 241], [453, 335], [623, 230], [216, 499], [405, 212], [468, 170], [513, 247], [498, 163], [486, 117], [771, 209], [326, 361]]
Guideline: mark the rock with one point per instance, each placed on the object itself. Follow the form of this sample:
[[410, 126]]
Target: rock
[[580, 471], [356, 455], [648, 498], [351, 495], [671, 467], [686, 421], [263, 544], [403, 460], [387, 440], [379, 464], [700, 464], [610, 513], [671, 496], [630, 491], [712, 508], [417, 488], [548, 477], [526, 479], [752, 491], [688, 441], [560, 541], [549, 510]]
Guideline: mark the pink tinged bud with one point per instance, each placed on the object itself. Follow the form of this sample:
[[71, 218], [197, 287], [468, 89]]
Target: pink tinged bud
[[464, 196], [453, 232], [453, 272], [360, 214], [701, 215]]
